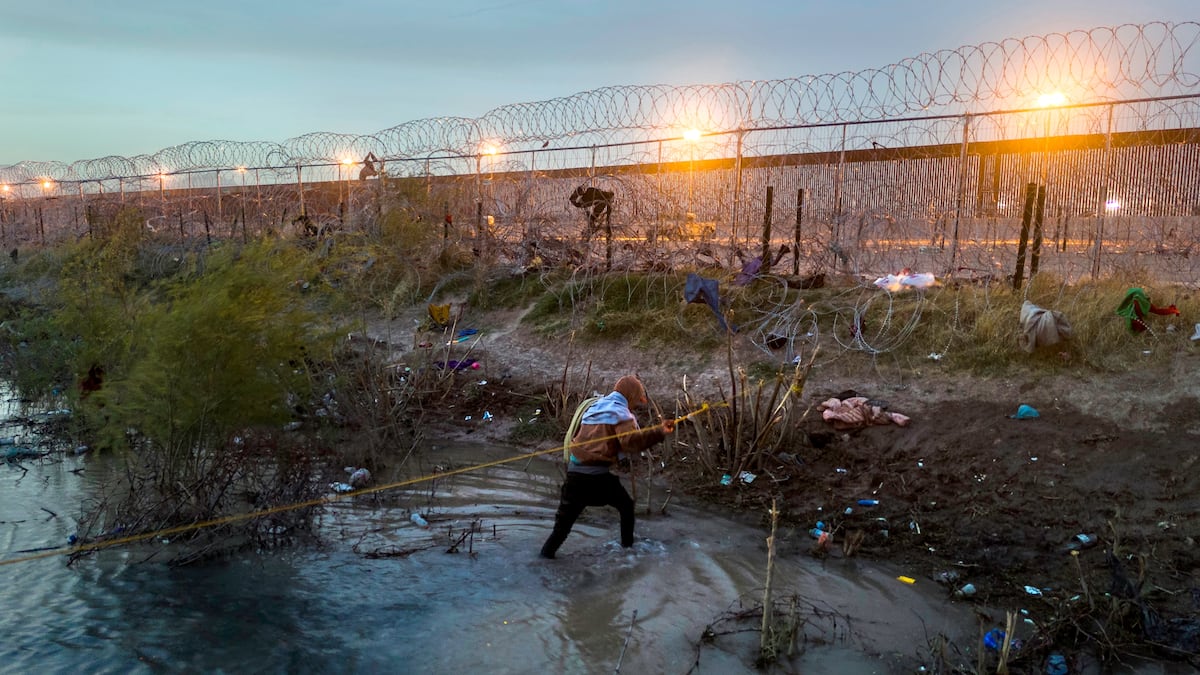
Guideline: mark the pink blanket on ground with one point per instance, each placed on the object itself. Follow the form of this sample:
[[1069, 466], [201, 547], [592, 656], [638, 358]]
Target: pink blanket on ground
[[856, 412]]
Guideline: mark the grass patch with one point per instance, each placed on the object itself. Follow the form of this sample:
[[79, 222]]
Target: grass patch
[[644, 309], [510, 292], [975, 329]]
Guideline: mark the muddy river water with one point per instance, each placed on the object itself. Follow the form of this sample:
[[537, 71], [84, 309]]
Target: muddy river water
[[491, 605]]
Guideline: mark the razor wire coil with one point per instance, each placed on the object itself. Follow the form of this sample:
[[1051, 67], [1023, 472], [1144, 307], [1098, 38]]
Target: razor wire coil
[[1130, 61]]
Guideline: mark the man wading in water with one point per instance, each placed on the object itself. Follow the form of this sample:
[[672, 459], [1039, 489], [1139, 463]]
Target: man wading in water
[[608, 429]]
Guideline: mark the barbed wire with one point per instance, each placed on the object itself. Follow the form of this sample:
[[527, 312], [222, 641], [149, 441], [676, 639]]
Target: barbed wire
[[1130, 61]]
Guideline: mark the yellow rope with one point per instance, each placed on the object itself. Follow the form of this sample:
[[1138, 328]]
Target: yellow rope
[[224, 520], [574, 425]]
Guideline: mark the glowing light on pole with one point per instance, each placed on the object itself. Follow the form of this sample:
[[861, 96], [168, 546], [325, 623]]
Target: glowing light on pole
[[346, 162], [1051, 100], [162, 190], [1048, 101], [242, 199]]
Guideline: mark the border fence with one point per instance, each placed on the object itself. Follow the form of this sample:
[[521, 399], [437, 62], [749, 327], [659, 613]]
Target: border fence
[[1079, 151]]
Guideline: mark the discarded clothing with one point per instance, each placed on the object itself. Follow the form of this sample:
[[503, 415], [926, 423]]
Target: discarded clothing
[[1136, 306], [610, 409], [699, 289], [857, 412], [749, 271], [894, 283], [1041, 327], [360, 478], [458, 365], [440, 315]]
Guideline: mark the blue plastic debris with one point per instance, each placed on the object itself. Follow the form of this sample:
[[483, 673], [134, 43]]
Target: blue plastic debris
[[1025, 412], [1056, 665]]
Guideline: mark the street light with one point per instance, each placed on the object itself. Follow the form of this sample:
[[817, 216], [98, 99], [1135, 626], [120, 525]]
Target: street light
[[242, 199], [490, 150], [346, 162], [162, 191], [1048, 101], [1051, 100]]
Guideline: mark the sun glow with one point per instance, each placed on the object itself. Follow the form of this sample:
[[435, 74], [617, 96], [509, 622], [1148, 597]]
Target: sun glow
[[1051, 100]]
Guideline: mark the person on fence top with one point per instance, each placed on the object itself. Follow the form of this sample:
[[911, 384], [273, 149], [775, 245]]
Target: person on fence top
[[607, 430]]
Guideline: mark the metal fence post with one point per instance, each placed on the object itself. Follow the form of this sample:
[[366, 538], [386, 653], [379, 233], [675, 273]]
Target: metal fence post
[[1104, 179], [962, 186]]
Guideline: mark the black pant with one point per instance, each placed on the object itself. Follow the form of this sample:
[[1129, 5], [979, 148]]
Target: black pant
[[582, 490]]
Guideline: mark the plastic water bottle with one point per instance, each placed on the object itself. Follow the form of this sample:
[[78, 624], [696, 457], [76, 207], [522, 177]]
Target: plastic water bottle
[[868, 502], [421, 522]]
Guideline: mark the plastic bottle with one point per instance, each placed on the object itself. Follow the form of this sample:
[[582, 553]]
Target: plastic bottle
[[868, 502], [420, 521]]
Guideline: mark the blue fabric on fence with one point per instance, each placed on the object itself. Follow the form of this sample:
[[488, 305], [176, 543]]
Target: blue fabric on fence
[[699, 289]]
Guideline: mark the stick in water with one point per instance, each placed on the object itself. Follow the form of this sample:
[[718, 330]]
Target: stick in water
[[626, 645]]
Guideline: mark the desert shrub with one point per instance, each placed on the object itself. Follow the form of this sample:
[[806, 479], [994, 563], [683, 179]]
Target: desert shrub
[[205, 354]]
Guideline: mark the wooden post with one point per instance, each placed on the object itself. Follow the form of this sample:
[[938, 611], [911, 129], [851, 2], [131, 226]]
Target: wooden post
[[1038, 219], [300, 189], [1026, 219], [796, 236], [766, 232], [960, 198], [608, 239], [737, 188], [766, 646], [478, 227]]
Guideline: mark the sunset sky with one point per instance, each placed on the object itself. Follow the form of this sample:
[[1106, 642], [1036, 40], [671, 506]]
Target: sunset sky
[[84, 79]]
